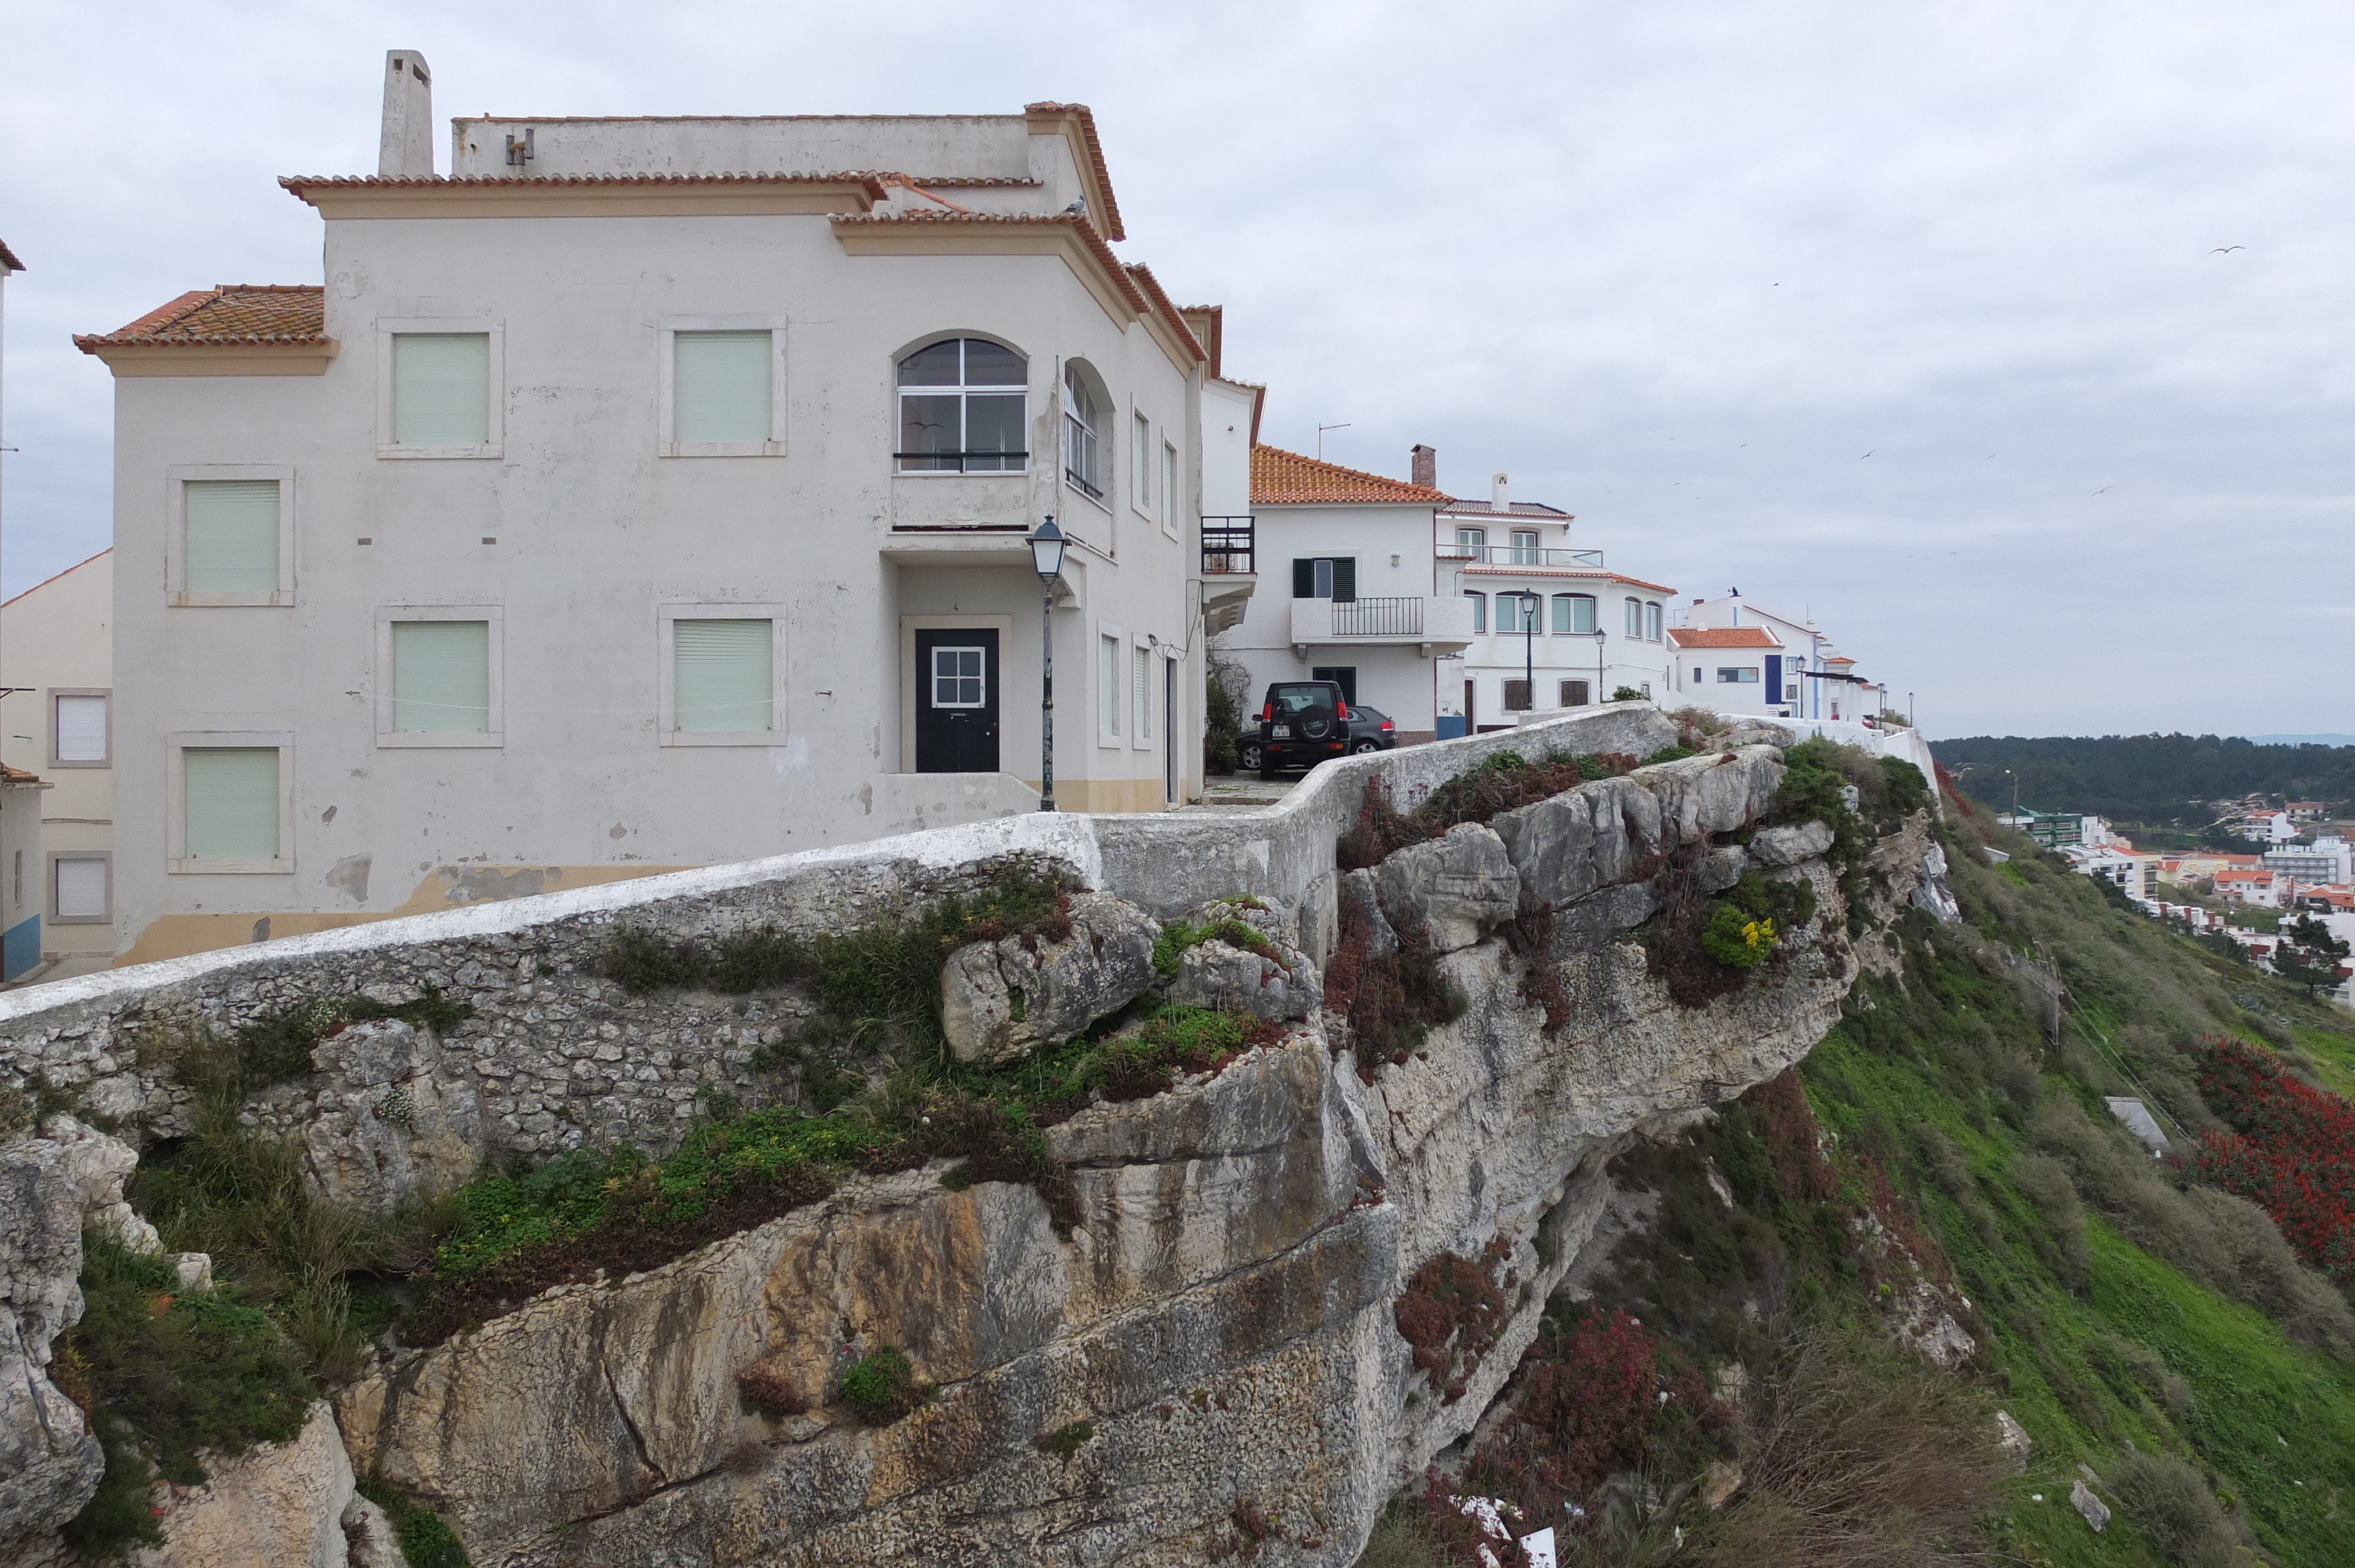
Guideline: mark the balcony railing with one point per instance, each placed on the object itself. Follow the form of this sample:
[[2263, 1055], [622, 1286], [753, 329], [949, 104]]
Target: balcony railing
[[1518, 555], [1230, 546], [1378, 618]]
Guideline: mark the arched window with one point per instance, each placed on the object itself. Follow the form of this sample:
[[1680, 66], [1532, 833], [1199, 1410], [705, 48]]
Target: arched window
[[1574, 615], [1083, 461], [1634, 618], [962, 408], [1479, 610], [1652, 621]]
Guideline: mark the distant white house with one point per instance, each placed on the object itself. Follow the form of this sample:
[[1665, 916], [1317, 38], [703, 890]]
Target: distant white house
[[57, 647], [2327, 860], [1552, 627], [1739, 658]]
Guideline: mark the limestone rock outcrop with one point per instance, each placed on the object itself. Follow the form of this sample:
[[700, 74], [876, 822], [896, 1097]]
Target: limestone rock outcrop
[[281, 1504], [49, 1462], [1790, 844], [386, 1125], [1266, 976], [1001, 1000], [1455, 889]]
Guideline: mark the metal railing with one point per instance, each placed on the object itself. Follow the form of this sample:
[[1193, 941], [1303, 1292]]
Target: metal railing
[[961, 463], [1083, 484], [1378, 618], [1230, 546], [1518, 555]]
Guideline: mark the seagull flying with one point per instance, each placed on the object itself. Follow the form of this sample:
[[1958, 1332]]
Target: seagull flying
[[1868, 454], [2106, 490], [2226, 249]]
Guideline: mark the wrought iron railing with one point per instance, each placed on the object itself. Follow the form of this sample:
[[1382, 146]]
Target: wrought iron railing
[[961, 463], [1378, 618], [1230, 546]]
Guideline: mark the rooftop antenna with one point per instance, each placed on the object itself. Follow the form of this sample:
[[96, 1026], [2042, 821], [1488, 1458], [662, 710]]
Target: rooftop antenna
[[1320, 437]]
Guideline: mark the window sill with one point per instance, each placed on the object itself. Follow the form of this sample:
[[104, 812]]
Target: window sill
[[77, 919], [724, 737], [283, 599], [720, 449], [101, 762], [1072, 486], [930, 473], [470, 738], [433, 452], [1108, 743], [230, 868]]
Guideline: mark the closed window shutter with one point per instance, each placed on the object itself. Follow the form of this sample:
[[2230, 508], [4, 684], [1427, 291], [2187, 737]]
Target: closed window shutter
[[1304, 578], [81, 729], [231, 794], [721, 388], [441, 677], [1143, 713], [1344, 579], [726, 675], [441, 389], [81, 889], [231, 544]]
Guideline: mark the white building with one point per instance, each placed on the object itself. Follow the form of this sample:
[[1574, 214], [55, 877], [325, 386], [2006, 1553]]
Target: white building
[[641, 496], [1777, 668], [57, 646], [1551, 626], [1352, 598], [2328, 859], [2130, 871]]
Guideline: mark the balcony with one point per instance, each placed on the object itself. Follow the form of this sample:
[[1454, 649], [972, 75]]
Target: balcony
[[1432, 625], [1522, 555], [1230, 569]]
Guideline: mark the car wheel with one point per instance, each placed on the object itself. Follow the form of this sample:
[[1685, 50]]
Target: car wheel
[[1364, 747], [1253, 757]]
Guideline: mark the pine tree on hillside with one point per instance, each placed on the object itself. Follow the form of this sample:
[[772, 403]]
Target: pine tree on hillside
[[2309, 955]]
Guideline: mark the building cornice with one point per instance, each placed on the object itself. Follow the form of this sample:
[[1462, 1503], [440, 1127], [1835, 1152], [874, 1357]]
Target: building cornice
[[254, 357], [602, 196], [1077, 125]]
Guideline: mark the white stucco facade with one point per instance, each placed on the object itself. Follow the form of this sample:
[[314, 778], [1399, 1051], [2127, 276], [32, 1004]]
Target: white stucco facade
[[57, 647], [583, 529]]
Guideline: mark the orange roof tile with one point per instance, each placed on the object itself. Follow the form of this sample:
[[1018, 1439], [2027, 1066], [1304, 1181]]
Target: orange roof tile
[[1280, 478], [8, 259], [232, 312], [9, 775], [298, 184], [1169, 313], [1725, 637]]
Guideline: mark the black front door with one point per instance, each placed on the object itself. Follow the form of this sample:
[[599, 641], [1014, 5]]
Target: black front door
[[956, 701]]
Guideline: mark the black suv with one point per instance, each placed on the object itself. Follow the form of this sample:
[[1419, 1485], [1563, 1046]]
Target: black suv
[[1302, 723]]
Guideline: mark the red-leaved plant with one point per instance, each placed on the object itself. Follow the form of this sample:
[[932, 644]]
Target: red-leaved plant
[[2291, 1151]]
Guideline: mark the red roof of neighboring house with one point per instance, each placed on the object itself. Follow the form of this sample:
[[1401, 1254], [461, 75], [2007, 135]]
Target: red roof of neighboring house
[[18, 775], [1280, 478], [8, 259], [1724, 637], [2252, 876], [231, 312]]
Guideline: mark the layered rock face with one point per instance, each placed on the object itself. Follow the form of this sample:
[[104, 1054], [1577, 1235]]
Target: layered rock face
[[1223, 1318], [1209, 1364]]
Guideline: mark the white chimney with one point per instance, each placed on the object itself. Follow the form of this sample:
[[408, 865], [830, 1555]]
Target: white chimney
[[1500, 491], [405, 151]]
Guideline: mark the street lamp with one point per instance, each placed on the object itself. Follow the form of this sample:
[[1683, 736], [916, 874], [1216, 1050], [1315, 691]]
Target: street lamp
[[1046, 556], [1530, 604], [1598, 634]]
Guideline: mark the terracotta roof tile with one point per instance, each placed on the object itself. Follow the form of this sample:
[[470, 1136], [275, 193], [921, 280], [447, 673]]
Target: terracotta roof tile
[[1722, 637], [9, 775], [1280, 478], [8, 259], [1538, 509], [1109, 220], [231, 312], [298, 184], [1151, 285]]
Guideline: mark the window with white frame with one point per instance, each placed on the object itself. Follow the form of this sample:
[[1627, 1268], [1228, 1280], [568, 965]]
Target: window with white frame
[[1651, 620], [1573, 614], [1169, 488], [231, 534], [1479, 610], [723, 676], [1140, 464], [962, 408], [1084, 462], [1635, 608], [1470, 542], [231, 806], [1525, 547], [441, 677], [1742, 676], [1108, 686], [1517, 613], [441, 389], [723, 389], [79, 732], [79, 887], [960, 677], [1140, 693]]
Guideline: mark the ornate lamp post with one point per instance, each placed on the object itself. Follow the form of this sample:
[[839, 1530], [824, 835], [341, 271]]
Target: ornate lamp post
[[1599, 635], [1046, 556], [1530, 604]]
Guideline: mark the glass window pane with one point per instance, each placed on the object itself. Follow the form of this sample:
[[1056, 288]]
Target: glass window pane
[[1581, 614], [1479, 611], [1108, 685], [992, 365], [441, 389], [726, 675], [1169, 485], [933, 366], [928, 423], [959, 677], [232, 535], [81, 889], [720, 391], [441, 677], [81, 729], [231, 797], [993, 423]]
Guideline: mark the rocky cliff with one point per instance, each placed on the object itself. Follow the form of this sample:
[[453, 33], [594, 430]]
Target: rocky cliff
[[1210, 1362]]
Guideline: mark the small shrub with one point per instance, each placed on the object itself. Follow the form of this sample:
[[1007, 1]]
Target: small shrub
[[1737, 938], [1392, 999], [1177, 938], [425, 1539], [882, 1387], [1065, 1441], [1500, 783], [2171, 1504], [1628, 695], [765, 1389], [1450, 1313]]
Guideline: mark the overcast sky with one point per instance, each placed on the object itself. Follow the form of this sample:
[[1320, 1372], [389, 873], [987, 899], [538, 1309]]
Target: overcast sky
[[1676, 267]]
